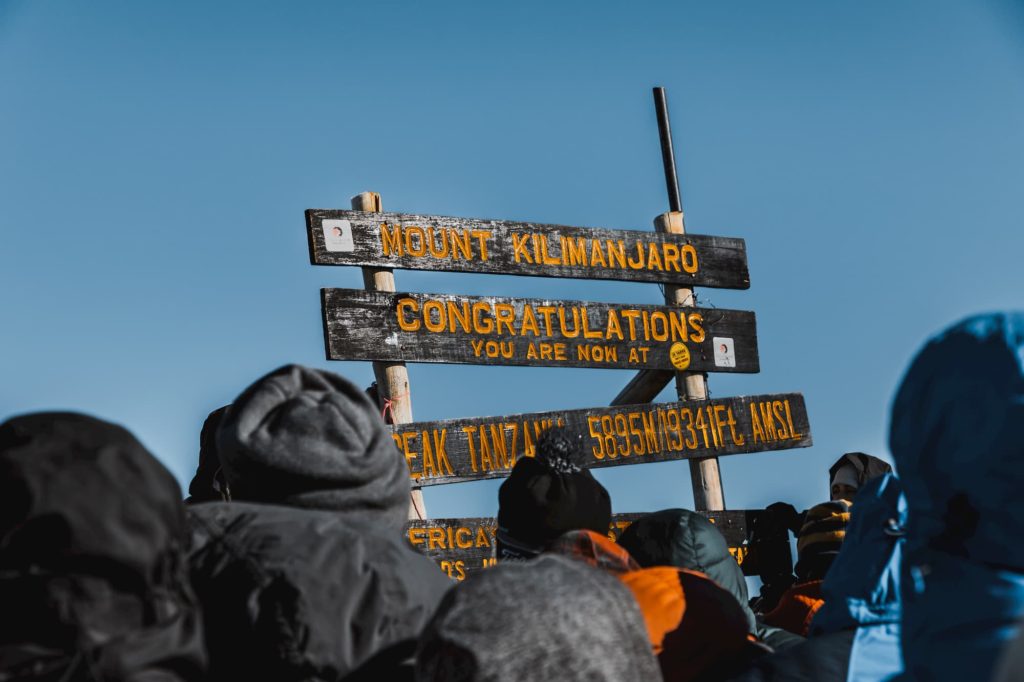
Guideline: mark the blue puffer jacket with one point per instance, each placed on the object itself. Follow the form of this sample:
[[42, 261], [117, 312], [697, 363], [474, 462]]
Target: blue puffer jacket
[[957, 435], [862, 589], [855, 634]]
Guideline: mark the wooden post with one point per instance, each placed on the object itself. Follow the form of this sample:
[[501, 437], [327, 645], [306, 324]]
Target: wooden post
[[707, 482], [392, 377], [704, 474]]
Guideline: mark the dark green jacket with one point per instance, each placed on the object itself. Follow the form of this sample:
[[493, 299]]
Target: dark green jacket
[[685, 539]]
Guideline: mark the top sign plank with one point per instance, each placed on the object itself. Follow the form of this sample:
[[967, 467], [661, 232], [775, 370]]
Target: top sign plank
[[419, 242]]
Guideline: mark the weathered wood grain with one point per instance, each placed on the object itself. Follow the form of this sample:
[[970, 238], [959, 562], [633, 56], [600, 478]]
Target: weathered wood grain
[[447, 328], [462, 546], [457, 450], [424, 242]]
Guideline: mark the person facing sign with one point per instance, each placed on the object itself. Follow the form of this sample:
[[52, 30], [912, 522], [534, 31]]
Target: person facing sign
[[547, 495]]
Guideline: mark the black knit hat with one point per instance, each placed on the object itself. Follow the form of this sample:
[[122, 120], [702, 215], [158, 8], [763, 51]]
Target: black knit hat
[[548, 495]]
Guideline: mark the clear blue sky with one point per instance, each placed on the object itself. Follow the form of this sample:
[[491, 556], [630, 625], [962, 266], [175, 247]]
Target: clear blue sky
[[156, 160]]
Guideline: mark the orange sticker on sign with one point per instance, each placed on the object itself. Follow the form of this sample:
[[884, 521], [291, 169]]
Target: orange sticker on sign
[[679, 354]]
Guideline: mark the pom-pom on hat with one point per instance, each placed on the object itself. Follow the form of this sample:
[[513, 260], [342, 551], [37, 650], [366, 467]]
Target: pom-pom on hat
[[549, 494]]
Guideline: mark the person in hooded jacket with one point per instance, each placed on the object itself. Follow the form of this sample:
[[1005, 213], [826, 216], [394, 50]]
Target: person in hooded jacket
[[957, 437], [855, 635], [547, 495], [93, 575], [817, 547], [851, 472], [697, 629], [208, 482], [685, 539], [305, 574], [550, 618]]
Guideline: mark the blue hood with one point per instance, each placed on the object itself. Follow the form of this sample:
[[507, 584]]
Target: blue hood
[[957, 435], [863, 584]]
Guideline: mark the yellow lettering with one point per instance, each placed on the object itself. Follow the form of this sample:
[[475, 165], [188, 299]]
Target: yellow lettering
[[459, 313], [616, 253], [597, 450], [671, 255], [404, 324], [737, 438], [613, 325], [430, 307], [420, 249], [689, 259], [657, 317], [575, 322], [588, 333], [637, 264], [505, 314], [432, 243], [482, 324], [789, 420], [545, 258], [519, 249], [696, 321], [482, 236], [391, 242], [470, 430], [529, 321], [547, 311], [460, 243], [574, 251], [417, 536], [755, 424]]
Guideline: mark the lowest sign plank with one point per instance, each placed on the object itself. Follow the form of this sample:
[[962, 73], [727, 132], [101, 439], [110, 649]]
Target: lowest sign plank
[[416, 327], [424, 242], [457, 450], [461, 546]]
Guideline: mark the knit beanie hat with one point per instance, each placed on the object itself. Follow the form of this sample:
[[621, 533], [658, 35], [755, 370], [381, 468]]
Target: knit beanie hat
[[820, 538], [553, 618], [303, 437], [547, 495]]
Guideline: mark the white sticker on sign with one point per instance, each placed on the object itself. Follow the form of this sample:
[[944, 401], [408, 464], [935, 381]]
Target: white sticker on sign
[[725, 354], [338, 235]]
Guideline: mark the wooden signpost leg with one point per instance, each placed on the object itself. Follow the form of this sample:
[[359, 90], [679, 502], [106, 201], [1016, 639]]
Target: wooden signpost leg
[[392, 377], [708, 494]]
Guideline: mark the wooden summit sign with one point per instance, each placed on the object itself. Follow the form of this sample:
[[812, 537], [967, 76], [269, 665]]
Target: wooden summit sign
[[462, 546], [458, 450], [414, 327], [419, 242]]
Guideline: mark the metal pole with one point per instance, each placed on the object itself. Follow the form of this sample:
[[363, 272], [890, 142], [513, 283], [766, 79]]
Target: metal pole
[[668, 157]]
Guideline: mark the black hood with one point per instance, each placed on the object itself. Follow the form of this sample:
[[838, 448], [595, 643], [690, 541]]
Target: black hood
[[92, 566], [866, 466], [203, 487], [685, 539]]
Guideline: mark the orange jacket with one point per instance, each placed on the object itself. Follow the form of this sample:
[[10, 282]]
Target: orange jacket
[[797, 607]]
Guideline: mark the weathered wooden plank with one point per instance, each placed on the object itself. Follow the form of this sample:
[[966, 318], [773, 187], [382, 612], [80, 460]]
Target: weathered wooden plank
[[414, 327], [425, 242], [457, 450], [462, 546], [644, 387]]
